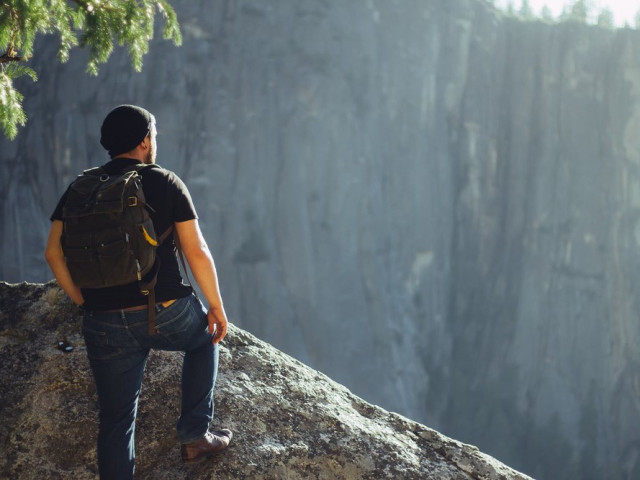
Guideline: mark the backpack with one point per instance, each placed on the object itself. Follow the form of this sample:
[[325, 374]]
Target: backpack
[[108, 236]]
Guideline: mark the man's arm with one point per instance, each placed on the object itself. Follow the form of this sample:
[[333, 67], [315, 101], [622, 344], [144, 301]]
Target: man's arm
[[55, 258], [195, 249]]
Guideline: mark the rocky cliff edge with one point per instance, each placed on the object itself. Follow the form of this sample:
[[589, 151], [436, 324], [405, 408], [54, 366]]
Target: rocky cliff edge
[[290, 421]]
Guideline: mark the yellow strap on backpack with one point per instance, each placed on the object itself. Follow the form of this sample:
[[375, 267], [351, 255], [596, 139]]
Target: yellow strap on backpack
[[148, 237]]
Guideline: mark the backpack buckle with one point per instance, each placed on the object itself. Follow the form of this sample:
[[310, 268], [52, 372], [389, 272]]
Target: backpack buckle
[[133, 201], [144, 292]]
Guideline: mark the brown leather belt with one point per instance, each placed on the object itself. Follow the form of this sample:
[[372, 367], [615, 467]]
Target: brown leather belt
[[138, 308]]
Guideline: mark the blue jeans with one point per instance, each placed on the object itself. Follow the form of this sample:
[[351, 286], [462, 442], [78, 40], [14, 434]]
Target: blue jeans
[[118, 345]]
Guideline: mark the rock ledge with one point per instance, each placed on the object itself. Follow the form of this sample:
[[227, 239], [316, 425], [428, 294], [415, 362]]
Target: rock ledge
[[289, 420]]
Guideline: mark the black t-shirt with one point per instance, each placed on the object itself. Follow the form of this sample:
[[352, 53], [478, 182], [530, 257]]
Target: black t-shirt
[[169, 198]]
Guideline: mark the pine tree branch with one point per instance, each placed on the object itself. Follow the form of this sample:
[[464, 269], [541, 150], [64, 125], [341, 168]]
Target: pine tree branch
[[12, 56], [7, 57], [95, 24], [92, 8]]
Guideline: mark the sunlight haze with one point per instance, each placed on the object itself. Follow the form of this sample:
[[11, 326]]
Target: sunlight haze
[[624, 11]]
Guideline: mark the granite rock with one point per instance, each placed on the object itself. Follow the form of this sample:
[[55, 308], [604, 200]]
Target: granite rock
[[290, 421]]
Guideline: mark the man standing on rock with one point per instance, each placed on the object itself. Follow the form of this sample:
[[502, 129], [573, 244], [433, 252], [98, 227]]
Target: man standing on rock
[[115, 323]]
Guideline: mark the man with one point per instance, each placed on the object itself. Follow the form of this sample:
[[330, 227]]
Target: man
[[115, 325]]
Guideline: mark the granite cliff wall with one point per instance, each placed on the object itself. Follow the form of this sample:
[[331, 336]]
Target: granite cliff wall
[[433, 204]]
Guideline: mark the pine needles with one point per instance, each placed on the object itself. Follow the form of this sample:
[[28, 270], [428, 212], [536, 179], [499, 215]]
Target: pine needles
[[97, 25]]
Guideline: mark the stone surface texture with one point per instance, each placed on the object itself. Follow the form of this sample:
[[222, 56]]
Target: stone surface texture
[[290, 421]]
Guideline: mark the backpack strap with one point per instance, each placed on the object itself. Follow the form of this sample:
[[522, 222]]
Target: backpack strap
[[137, 167], [148, 288], [94, 171]]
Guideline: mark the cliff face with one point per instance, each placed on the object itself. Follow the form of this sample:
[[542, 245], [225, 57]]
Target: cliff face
[[289, 421], [436, 206]]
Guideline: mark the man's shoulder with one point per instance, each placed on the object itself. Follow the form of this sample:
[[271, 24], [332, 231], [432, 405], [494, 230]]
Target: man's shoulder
[[166, 188], [158, 171], [156, 177]]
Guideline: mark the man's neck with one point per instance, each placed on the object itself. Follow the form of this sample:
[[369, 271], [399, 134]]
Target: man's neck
[[128, 157]]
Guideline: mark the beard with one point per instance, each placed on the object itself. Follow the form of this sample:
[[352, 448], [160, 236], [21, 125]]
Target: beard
[[150, 158]]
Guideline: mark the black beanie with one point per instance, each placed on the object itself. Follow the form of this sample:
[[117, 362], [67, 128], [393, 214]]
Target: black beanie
[[124, 128]]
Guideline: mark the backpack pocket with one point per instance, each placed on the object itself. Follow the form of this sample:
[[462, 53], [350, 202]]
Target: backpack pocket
[[76, 248], [81, 261], [102, 259], [111, 248], [116, 258]]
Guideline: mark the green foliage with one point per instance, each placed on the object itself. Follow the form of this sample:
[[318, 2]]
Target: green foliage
[[11, 113], [98, 25], [526, 12], [580, 11], [546, 14], [577, 11], [605, 19], [511, 10]]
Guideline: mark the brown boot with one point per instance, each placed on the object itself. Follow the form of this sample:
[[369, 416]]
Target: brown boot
[[213, 443]]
